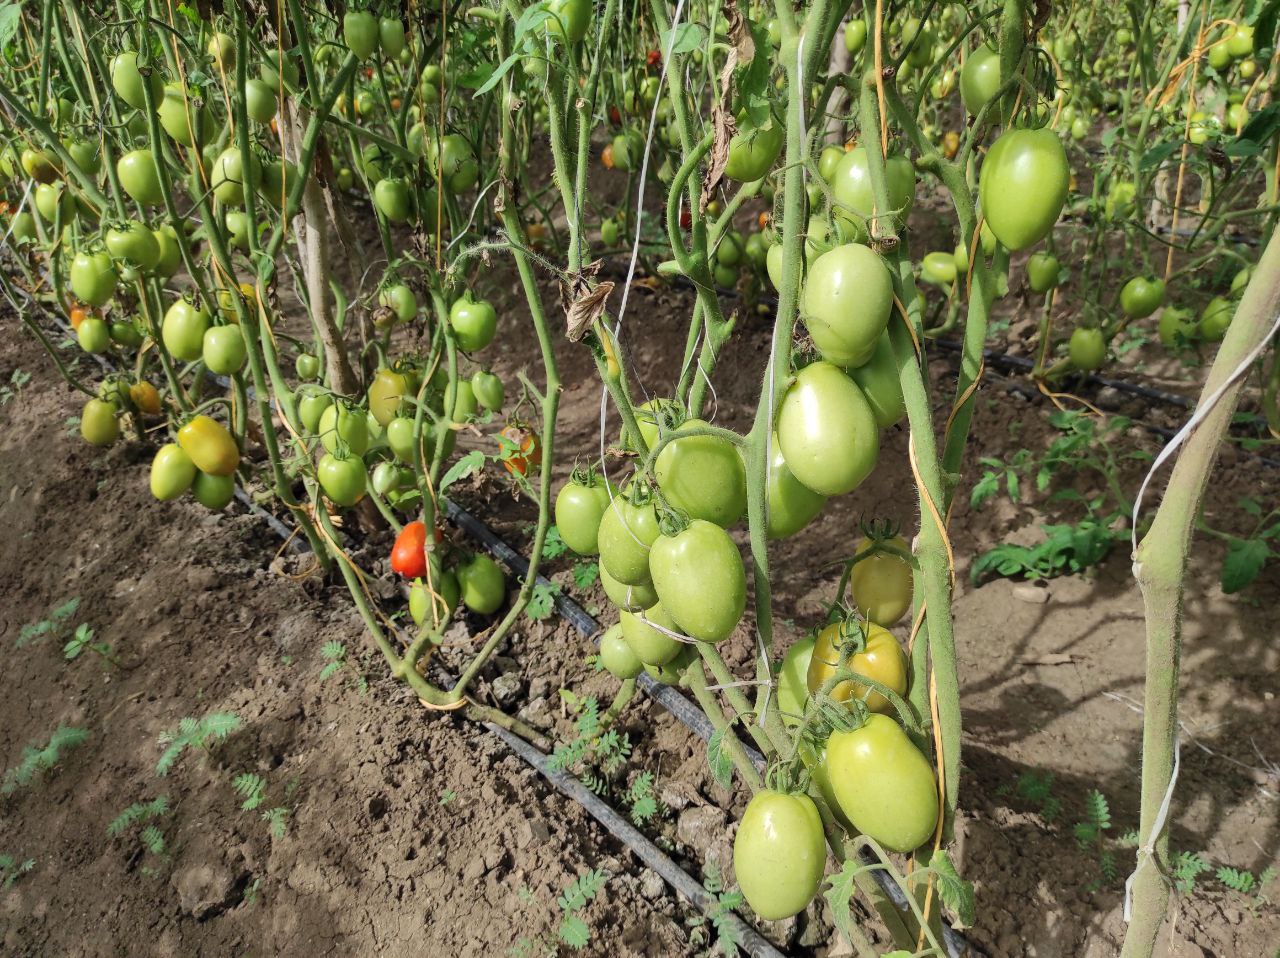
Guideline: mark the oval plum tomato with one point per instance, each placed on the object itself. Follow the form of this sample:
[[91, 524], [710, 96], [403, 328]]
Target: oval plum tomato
[[1042, 272], [569, 19], [474, 322], [848, 295], [210, 446], [792, 504], [521, 450], [360, 33], [855, 35], [393, 199], [230, 178], [1176, 327], [39, 165], [344, 427], [213, 492], [312, 402], [126, 333], [939, 269], [98, 425], [580, 506], [1141, 296], [170, 252], [882, 660], [880, 384], [882, 583], [483, 585], [180, 120], [260, 101], [851, 188], [399, 298], [626, 534], [1216, 319], [979, 78], [827, 430], [172, 472], [616, 656], [651, 645], [52, 198], [753, 150], [408, 555], [145, 397], [779, 853], [700, 581], [385, 478], [93, 277], [224, 350], [94, 336], [391, 36], [454, 162], [447, 593], [882, 783], [130, 85], [488, 389], [386, 391], [793, 680], [828, 160], [306, 366], [703, 476], [630, 598], [345, 480], [1087, 349], [140, 178], [1023, 185], [400, 438], [183, 329]]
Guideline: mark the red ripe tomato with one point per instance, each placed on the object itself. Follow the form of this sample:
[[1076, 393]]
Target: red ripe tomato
[[408, 555], [686, 220], [616, 118], [527, 449], [653, 57]]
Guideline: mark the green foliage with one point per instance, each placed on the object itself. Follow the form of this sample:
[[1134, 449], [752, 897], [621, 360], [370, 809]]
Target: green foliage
[[720, 763], [573, 930], [1246, 557], [53, 625], [277, 820], [83, 639], [542, 601], [138, 812], [194, 734], [468, 465], [1036, 787], [1090, 833], [554, 546], [11, 870], [644, 805], [251, 788], [956, 893], [335, 655], [1066, 551], [719, 916], [585, 574], [19, 378], [1187, 867], [36, 760]]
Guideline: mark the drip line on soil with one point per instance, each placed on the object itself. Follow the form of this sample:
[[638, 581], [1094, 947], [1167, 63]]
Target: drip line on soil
[[751, 940]]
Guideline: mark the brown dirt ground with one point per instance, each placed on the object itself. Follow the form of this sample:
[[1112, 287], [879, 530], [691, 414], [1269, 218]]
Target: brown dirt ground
[[409, 831]]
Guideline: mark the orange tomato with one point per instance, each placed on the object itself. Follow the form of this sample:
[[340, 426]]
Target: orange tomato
[[145, 397], [606, 157], [77, 314], [395, 103], [762, 220], [950, 144], [527, 452]]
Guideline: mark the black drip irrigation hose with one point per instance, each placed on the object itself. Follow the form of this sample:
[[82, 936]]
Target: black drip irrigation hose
[[685, 884]]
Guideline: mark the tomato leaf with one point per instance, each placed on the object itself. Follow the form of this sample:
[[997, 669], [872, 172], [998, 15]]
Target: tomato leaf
[[1245, 559], [469, 464], [502, 69], [839, 894], [956, 893], [689, 37], [10, 16], [1157, 154], [542, 601], [721, 766]]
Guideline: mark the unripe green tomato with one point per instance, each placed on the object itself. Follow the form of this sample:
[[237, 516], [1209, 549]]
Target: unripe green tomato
[[1177, 327], [1087, 349], [1042, 271], [94, 336], [855, 34], [1214, 320], [616, 656], [213, 492]]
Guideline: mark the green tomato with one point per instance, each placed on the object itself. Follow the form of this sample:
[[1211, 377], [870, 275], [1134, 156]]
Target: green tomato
[[488, 389], [391, 36], [671, 672], [344, 480], [483, 585], [848, 296], [134, 243], [454, 162], [1023, 186], [569, 19], [441, 605], [580, 506], [1176, 327], [630, 598], [260, 101], [1042, 272], [609, 232], [855, 34], [180, 121], [939, 269], [213, 492], [779, 853], [360, 33], [93, 277], [312, 403], [616, 656], [474, 322], [828, 160], [793, 688], [827, 430], [130, 85], [393, 199], [650, 645], [126, 333], [1238, 282], [703, 476], [307, 366], [183, 329], [94, 336], [230, 179], [881, 384], [224, 349], [980, 78], [625, 536], [400, 299], [851, 188], [1141, 296], [1216, 319], [752, 151], [98, 425], [344, 425], [882, 783], [1120, 199], [172, 472], [700, 581], [1087, 348], [401, 439], [52, 197], [170, 259], [792, 505], [140, 178]]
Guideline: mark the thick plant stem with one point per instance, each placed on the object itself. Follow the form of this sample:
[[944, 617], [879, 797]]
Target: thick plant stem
[[1160, 566]]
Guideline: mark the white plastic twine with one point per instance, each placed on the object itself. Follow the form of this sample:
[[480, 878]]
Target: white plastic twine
[[1146, 853]]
